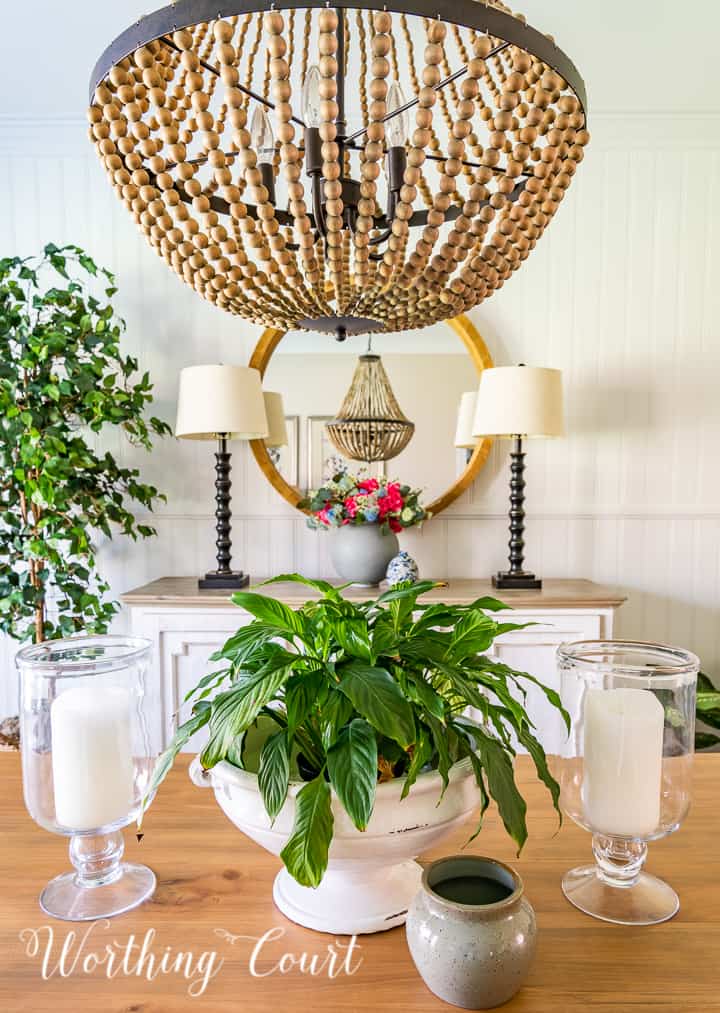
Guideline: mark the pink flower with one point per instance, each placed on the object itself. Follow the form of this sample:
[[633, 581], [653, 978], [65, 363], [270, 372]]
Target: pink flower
[[350, 505]]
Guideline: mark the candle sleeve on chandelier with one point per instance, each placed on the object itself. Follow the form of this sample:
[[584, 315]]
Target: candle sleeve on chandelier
[[262, 138], [311, 97], [397, 126]]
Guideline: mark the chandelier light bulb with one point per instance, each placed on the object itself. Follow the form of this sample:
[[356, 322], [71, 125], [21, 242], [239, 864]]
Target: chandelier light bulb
[[311, 97], [397, 128], [262, 138]]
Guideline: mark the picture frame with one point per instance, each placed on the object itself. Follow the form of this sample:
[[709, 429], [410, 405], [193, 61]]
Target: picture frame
[[324, 460]]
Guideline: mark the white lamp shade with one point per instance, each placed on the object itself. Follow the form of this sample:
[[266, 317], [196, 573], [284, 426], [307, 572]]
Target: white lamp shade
[[214, 400], [519, 401], [275, 411], [466, 416]]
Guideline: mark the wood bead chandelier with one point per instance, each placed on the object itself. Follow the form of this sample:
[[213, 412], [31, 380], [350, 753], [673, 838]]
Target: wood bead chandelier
[[370, 425], [345, 169]]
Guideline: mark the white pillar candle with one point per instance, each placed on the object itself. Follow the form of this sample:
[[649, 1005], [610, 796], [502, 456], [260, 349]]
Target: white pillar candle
[[92, 756], [623, 761]]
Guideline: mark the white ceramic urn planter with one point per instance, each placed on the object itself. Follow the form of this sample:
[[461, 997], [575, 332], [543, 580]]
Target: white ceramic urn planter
[[371, 876]]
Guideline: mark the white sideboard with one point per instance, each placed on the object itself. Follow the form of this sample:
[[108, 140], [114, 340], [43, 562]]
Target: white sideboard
[[186, 625]]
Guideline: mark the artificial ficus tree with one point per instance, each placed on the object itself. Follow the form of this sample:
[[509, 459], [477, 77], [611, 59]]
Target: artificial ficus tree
[[63, 382]]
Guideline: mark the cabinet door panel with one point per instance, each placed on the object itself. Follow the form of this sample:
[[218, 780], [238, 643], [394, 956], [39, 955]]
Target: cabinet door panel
[[533, 650]]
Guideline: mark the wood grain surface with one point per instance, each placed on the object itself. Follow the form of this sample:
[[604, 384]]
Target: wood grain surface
[[581, 594], [211, 877]]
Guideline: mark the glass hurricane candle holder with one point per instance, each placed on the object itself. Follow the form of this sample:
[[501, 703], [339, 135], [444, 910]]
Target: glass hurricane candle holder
[[625, 773], [89, 742]]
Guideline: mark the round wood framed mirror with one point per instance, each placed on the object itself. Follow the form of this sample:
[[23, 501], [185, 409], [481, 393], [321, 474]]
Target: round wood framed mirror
[[477, 355]]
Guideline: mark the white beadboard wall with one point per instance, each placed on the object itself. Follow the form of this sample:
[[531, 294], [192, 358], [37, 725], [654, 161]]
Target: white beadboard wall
[[622, 295]]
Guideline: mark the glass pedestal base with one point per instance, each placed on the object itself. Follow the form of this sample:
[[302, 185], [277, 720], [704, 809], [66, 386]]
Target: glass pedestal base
[[66, 898], [646, 902], [102, 885]]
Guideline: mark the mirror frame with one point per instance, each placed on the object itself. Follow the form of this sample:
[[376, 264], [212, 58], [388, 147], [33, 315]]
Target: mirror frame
[[481, 358]]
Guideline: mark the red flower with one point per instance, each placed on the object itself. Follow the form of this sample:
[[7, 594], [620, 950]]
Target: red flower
[[350, 505], [368, 485], [395, 525]]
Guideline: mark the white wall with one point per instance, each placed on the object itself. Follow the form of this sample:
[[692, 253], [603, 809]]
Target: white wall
[[622, 295]]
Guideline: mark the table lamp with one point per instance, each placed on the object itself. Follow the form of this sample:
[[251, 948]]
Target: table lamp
[[221, 403], [513, 402], [277, 429], [464, 438]]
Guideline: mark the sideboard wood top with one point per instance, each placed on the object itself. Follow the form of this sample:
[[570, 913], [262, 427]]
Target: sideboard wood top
[[183, 592], [211, 877]]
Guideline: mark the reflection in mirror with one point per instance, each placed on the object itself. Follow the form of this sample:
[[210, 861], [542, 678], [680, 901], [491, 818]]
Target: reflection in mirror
[[428, 371]]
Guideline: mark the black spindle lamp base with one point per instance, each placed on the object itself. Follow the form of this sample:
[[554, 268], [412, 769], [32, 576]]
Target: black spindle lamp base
[[223, 578], [516, 577], [507, 581], [233, 580]]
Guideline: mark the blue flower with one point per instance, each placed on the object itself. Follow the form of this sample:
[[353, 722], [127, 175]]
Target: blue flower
[[381, 493], [371, 514]]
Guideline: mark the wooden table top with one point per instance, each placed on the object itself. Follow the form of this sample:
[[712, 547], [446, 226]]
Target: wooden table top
[[211, 877], [179, 592]]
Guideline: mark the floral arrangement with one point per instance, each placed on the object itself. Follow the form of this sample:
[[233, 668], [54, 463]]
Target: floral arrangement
[[349, 499]]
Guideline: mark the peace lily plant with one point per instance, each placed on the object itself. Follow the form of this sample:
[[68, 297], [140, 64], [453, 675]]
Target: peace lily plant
[[343, 695]]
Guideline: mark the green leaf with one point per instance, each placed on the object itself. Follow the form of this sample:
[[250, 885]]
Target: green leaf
[[375, 694], [707, 702], [422, 754], [705, 740], [328, 590], [236, 709], [498, 768], [491, 665], [539, 758], [301, 694], [472, 635], [166, 759], [704, 684], [353, 767], [270, 611], [422, 693], [354, 638], [489, 604], [247, 748], [306, 853], [274, 775], [407, 590], [467, 749], [337, 711], [439, 733]]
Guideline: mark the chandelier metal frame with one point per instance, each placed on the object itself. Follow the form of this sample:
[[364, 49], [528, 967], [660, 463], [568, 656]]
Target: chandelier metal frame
[[339, 305]]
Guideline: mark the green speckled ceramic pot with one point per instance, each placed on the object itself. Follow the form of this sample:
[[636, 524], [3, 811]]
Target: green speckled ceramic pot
[[474, 955]]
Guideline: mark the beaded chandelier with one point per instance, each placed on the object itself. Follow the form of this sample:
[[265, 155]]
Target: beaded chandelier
[[342, 169], [370, 425]]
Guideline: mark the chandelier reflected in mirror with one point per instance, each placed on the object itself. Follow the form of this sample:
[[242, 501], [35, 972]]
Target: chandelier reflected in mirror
[[345, 169], [370, 425]]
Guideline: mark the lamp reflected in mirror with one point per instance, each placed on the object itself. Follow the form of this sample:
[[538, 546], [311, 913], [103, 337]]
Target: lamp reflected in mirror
[[464, 438]]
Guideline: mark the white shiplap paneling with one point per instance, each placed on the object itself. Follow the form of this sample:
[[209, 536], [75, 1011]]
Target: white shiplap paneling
[[621, 294]]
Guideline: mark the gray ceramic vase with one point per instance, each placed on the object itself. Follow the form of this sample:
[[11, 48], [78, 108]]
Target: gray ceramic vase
[[360, 553], [472, 955]]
